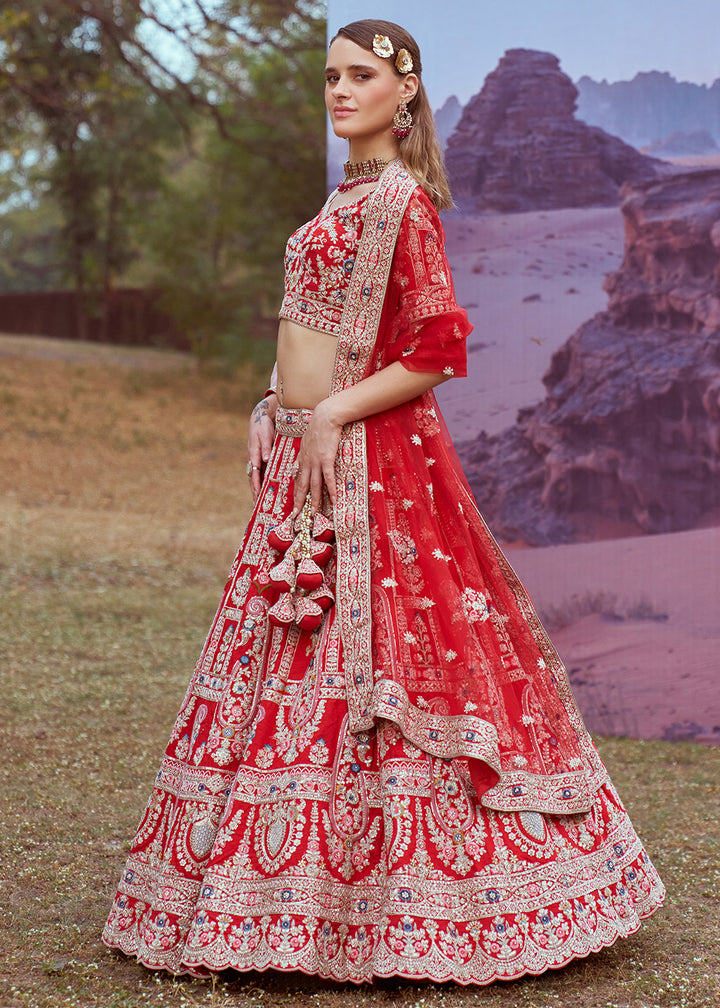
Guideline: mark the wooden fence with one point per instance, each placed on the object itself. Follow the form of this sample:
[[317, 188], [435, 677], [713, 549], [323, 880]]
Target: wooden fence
[[133, 318]]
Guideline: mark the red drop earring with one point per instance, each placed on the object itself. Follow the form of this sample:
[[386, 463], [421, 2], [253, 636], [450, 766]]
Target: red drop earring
[[402, 122]]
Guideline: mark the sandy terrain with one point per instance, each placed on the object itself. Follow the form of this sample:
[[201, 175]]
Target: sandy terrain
[[642, 614], [527, 281], [645, 665]]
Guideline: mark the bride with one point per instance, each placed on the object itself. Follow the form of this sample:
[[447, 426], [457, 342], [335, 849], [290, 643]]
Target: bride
[[378, 768]]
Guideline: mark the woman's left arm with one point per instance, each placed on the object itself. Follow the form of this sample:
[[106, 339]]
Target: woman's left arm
[[381, 391]]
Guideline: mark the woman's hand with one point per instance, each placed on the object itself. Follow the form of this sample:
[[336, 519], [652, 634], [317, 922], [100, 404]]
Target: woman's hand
[[316, 461], [260, 440]]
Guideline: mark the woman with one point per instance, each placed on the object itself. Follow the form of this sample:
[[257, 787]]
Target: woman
[[378, 768]]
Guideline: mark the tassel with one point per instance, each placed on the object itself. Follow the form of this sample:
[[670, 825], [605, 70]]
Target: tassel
[[283, 612], [309, 575], [306, 543], [320, 552], [323, 596], [282, 575], [308, 614], [280, 536], [322, 529]]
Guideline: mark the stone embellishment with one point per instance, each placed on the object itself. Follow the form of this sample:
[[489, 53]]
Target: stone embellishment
[[382, 46]]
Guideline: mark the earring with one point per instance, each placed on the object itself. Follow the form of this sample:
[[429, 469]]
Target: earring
[[402, 122]]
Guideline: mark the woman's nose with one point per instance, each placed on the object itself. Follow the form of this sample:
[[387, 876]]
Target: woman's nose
[[340, 90]]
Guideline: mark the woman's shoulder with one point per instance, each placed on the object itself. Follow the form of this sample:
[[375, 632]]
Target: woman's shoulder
[[420, 202], [420, 212]]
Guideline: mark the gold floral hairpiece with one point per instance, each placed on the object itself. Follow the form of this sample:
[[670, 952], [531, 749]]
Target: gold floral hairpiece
[[383, 47], [403, 61]]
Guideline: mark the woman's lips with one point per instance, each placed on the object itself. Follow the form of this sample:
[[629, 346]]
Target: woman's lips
[[341, 113]]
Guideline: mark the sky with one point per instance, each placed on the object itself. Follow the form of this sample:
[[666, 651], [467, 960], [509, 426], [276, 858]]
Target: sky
[[461, 41]]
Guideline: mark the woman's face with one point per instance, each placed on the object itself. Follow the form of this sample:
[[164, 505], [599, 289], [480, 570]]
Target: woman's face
[[363, 91]]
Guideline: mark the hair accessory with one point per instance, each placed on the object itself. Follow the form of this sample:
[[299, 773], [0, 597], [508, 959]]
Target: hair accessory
[[382, 46], [358, 172], [403, 61], [402, 122]]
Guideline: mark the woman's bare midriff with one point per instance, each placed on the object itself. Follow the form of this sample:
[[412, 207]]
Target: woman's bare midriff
[[305, 360]]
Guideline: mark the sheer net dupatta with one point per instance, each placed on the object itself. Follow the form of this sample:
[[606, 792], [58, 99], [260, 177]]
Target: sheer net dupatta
[[460, 660], [438, 634]]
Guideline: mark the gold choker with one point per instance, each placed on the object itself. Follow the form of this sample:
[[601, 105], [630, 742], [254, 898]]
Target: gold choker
[[358, 172]]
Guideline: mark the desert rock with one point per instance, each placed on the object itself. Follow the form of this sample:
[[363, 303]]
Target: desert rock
[[652, 104], [447, 118], [630, 426], [684, 142], [518, 145]]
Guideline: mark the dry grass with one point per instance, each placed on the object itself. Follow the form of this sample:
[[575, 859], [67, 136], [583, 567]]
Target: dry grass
[[606, 604], [121, 501]]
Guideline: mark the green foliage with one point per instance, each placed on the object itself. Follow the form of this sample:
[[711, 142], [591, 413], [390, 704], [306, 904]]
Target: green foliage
[[218, 238], [97, 125], [133, 168], [30, 219]]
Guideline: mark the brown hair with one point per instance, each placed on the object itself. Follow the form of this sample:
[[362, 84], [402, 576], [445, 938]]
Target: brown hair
[[420, 150]]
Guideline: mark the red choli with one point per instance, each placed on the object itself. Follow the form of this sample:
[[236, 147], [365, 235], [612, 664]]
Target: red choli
[[319, 260], [424, 327]]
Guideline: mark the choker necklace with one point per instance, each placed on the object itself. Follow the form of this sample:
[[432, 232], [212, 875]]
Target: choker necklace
[[358, 172]]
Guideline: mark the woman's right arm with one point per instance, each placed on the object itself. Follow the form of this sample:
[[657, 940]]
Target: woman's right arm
[[260, 439]]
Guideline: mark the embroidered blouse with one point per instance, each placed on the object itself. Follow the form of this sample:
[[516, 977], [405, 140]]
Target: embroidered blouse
[[424, 327], [319, 261]]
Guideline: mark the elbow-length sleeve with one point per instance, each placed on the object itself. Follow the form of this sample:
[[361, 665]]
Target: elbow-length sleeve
[[423, 327]]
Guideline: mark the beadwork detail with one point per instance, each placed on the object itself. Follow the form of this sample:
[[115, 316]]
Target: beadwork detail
[[361, 172], [306, 544]]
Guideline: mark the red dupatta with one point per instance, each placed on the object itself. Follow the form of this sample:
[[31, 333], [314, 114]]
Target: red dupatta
[[439, 636]]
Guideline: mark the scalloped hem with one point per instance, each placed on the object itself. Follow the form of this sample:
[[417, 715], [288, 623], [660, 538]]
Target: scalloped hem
[[535, 964]]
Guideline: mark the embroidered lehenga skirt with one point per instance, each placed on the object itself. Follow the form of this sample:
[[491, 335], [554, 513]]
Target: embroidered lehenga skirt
[[276, 838]]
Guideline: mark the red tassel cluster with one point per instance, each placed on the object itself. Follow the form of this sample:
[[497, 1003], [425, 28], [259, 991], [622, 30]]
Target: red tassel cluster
[[306, 543]]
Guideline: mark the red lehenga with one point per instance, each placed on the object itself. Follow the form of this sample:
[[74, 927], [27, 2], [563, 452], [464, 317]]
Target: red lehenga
[[408, 788]]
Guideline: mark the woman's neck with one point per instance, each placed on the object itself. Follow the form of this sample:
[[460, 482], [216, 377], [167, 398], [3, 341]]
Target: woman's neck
[[369, 152]]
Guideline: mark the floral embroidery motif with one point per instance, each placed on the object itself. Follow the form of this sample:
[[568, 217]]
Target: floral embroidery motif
[[319, 262], [475, 605]]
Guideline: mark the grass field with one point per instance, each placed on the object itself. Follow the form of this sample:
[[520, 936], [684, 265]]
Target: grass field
[[122, 498]]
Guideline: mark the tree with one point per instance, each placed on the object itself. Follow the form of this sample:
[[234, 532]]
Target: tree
[[220, 235], [114, 105], [99, 123], [30, 219]]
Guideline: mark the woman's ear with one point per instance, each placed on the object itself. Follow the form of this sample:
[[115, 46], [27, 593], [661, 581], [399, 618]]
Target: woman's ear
[[410, 87]]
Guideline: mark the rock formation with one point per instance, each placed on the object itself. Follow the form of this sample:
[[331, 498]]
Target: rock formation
[[630, 426], [447, 118], [652, 104], [518, 145], [684, 142]]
